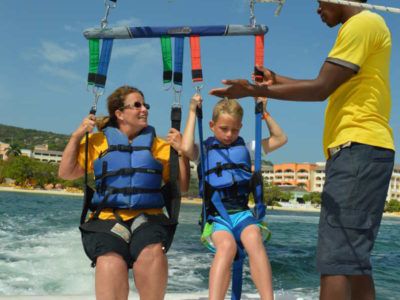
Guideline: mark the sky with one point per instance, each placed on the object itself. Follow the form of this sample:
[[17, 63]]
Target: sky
[[44, 63]]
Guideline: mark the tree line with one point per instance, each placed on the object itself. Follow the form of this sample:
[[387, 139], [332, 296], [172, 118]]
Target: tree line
[[28, 172]]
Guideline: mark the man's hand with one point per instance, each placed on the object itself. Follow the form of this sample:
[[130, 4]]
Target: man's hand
[[269, 77], [237, 88]]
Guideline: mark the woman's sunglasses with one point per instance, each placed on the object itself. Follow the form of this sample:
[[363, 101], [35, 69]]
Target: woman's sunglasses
[[136, 105]]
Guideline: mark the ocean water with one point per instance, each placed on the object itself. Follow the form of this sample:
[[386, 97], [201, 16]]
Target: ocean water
[[41, 252]]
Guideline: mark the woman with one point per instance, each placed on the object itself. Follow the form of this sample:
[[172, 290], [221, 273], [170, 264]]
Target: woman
[[127, 228]]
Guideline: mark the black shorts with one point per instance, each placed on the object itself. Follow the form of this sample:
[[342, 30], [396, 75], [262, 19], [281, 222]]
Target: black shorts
[[100, 237], [353, 199]]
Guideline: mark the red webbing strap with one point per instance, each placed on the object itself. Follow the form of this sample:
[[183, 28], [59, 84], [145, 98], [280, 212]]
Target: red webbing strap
[[197, 72], [258, 56]]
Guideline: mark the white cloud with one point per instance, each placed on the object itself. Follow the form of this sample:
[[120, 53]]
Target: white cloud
[[58, 54], [146, 51], [61, 73], [129, 22]]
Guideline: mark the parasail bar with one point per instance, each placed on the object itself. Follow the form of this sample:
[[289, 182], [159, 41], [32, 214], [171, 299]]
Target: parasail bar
[[176, 31]]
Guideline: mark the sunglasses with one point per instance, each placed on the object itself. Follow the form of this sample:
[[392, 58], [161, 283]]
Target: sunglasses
[[136, 105]]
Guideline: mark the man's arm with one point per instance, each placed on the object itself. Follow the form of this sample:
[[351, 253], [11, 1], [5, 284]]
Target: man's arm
[[330, 77]]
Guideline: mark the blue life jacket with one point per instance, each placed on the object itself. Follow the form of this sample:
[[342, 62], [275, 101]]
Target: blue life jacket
[[128, 175], [227, 171]]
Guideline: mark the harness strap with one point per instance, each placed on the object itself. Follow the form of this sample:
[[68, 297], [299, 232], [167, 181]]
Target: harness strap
[[258, 56], [199, 116], [167, 58], [178, 57], [105, 56], [257, 180], [94, 45], [197, 71], [173, 206]]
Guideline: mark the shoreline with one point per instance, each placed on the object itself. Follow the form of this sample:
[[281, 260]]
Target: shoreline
[[185, 200]]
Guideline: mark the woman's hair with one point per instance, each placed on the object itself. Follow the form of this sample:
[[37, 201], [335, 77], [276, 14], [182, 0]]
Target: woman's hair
[[227, 106], [114, 102]]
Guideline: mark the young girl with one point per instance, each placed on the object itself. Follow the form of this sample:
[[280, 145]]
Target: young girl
[[226, 156]]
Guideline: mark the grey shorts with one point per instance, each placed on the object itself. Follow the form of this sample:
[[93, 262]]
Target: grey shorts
[[98, 240], [353, 199]]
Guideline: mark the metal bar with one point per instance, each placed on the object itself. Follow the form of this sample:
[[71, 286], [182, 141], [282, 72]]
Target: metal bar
[[182, 31]]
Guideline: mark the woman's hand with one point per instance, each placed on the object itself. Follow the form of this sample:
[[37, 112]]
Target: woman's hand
[[195, 102], [174, 138], [87, 125]]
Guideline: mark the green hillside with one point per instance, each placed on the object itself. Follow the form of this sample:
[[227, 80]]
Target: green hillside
[[28, 138]]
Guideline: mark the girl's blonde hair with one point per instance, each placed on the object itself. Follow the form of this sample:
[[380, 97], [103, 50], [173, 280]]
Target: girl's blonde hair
[[227, 106], [114, 102]]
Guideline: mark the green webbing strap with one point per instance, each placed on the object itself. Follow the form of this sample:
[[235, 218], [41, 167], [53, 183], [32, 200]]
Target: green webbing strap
[[167, 58], [94, 46]]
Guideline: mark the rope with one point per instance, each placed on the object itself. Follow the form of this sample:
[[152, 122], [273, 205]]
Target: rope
[[349, 3], [365, 5], [279, 2]]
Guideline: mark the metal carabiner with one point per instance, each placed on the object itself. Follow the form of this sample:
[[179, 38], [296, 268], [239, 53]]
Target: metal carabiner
[[108, 4], [167, 87], [177, 96], [198, 88], [97, 92]]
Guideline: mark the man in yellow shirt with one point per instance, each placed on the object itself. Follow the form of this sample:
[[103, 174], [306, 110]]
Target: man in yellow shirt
[[358, 143]]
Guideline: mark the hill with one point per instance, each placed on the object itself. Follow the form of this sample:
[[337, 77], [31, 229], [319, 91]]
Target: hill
[[29, 138]]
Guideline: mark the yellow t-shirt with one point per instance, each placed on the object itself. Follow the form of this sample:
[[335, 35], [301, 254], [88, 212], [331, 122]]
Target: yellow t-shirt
[[98, 144], [359, 110]]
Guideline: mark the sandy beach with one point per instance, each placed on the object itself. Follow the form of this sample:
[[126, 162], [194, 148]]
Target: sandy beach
[[186, 200]]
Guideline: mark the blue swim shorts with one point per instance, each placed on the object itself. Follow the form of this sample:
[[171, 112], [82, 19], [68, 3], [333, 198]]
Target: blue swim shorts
[[236, 218]]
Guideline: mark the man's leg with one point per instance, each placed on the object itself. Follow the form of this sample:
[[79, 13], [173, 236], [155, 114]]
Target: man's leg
[[347, 287], [362, 287], [353, 199], [111, 277], [150, 272]]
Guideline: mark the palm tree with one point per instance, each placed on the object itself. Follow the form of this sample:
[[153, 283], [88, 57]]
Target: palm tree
[[13, 150]]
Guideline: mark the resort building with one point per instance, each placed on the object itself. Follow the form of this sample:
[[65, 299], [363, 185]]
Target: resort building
[[394, 186], [41, 153], [311, 176], [3, 150], [292, 174]]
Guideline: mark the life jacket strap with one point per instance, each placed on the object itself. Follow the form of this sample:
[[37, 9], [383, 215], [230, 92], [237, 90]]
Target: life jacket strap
[[127, 171], [228, 166], [127, 148], [130, 191]]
